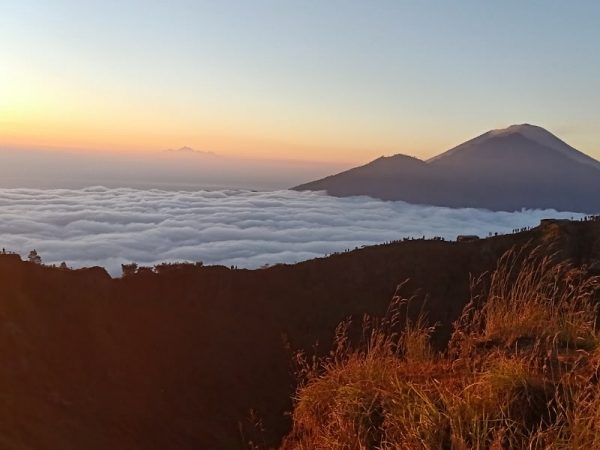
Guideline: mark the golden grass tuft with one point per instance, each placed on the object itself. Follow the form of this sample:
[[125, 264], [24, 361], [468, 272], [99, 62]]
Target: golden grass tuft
[[522, 370], [531, 299]]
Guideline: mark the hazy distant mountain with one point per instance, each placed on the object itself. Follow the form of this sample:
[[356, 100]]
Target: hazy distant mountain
[[522, 166], [191, 151]]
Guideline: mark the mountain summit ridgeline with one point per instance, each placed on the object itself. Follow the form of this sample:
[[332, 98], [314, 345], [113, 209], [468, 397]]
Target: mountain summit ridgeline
[[522, 166]]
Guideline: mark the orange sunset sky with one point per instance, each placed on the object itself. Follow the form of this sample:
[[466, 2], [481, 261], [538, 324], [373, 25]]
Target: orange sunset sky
[[331, 81]]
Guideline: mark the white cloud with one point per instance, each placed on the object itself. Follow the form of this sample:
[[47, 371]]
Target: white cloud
[[107, 227]]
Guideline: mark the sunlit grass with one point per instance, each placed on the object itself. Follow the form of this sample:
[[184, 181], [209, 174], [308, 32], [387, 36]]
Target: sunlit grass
[[522, 371]]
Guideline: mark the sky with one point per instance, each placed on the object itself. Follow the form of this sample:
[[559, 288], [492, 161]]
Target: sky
[[337, 82]]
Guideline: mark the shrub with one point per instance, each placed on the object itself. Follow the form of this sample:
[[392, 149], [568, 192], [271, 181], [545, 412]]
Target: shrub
[[129, 269]]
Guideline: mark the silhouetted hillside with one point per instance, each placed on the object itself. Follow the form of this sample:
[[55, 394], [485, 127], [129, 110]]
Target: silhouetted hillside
[[177, 359], [522, 166], [520, 370]]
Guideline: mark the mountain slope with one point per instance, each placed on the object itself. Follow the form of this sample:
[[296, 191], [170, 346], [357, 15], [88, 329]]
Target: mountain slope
[[522, 166], [379, 178], [534, 133], [177, 359]]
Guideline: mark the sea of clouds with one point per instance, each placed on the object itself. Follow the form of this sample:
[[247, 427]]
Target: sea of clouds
[[108, 227]]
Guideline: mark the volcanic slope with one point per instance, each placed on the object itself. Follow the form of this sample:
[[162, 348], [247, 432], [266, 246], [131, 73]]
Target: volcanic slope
[[522, 166]]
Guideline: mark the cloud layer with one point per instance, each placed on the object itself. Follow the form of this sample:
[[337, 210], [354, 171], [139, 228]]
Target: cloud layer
[[108, 227]]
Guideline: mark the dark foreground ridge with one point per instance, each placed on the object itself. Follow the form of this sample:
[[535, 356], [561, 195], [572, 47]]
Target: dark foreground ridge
[[522, 166], [177, 359]]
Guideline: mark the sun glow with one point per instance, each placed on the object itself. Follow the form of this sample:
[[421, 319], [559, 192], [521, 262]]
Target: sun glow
[[289, 85]]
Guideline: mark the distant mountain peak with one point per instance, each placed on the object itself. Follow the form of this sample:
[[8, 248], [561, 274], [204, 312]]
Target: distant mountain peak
[[547, 139], [191, 151], [516, 128], [507, 169], [534, 133]]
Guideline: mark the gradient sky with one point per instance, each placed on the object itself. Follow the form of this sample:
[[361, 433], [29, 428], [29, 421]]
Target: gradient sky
[[309, 80]]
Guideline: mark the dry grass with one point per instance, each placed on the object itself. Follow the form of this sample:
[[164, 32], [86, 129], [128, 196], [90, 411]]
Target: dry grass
[[522, 371], [531, 298]]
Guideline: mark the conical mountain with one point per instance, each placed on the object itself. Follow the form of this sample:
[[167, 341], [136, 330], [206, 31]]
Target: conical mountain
[[522, 166], [486, 145]]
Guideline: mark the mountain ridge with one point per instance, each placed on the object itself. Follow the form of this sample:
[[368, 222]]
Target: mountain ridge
[[522, 166], [176, 359]]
